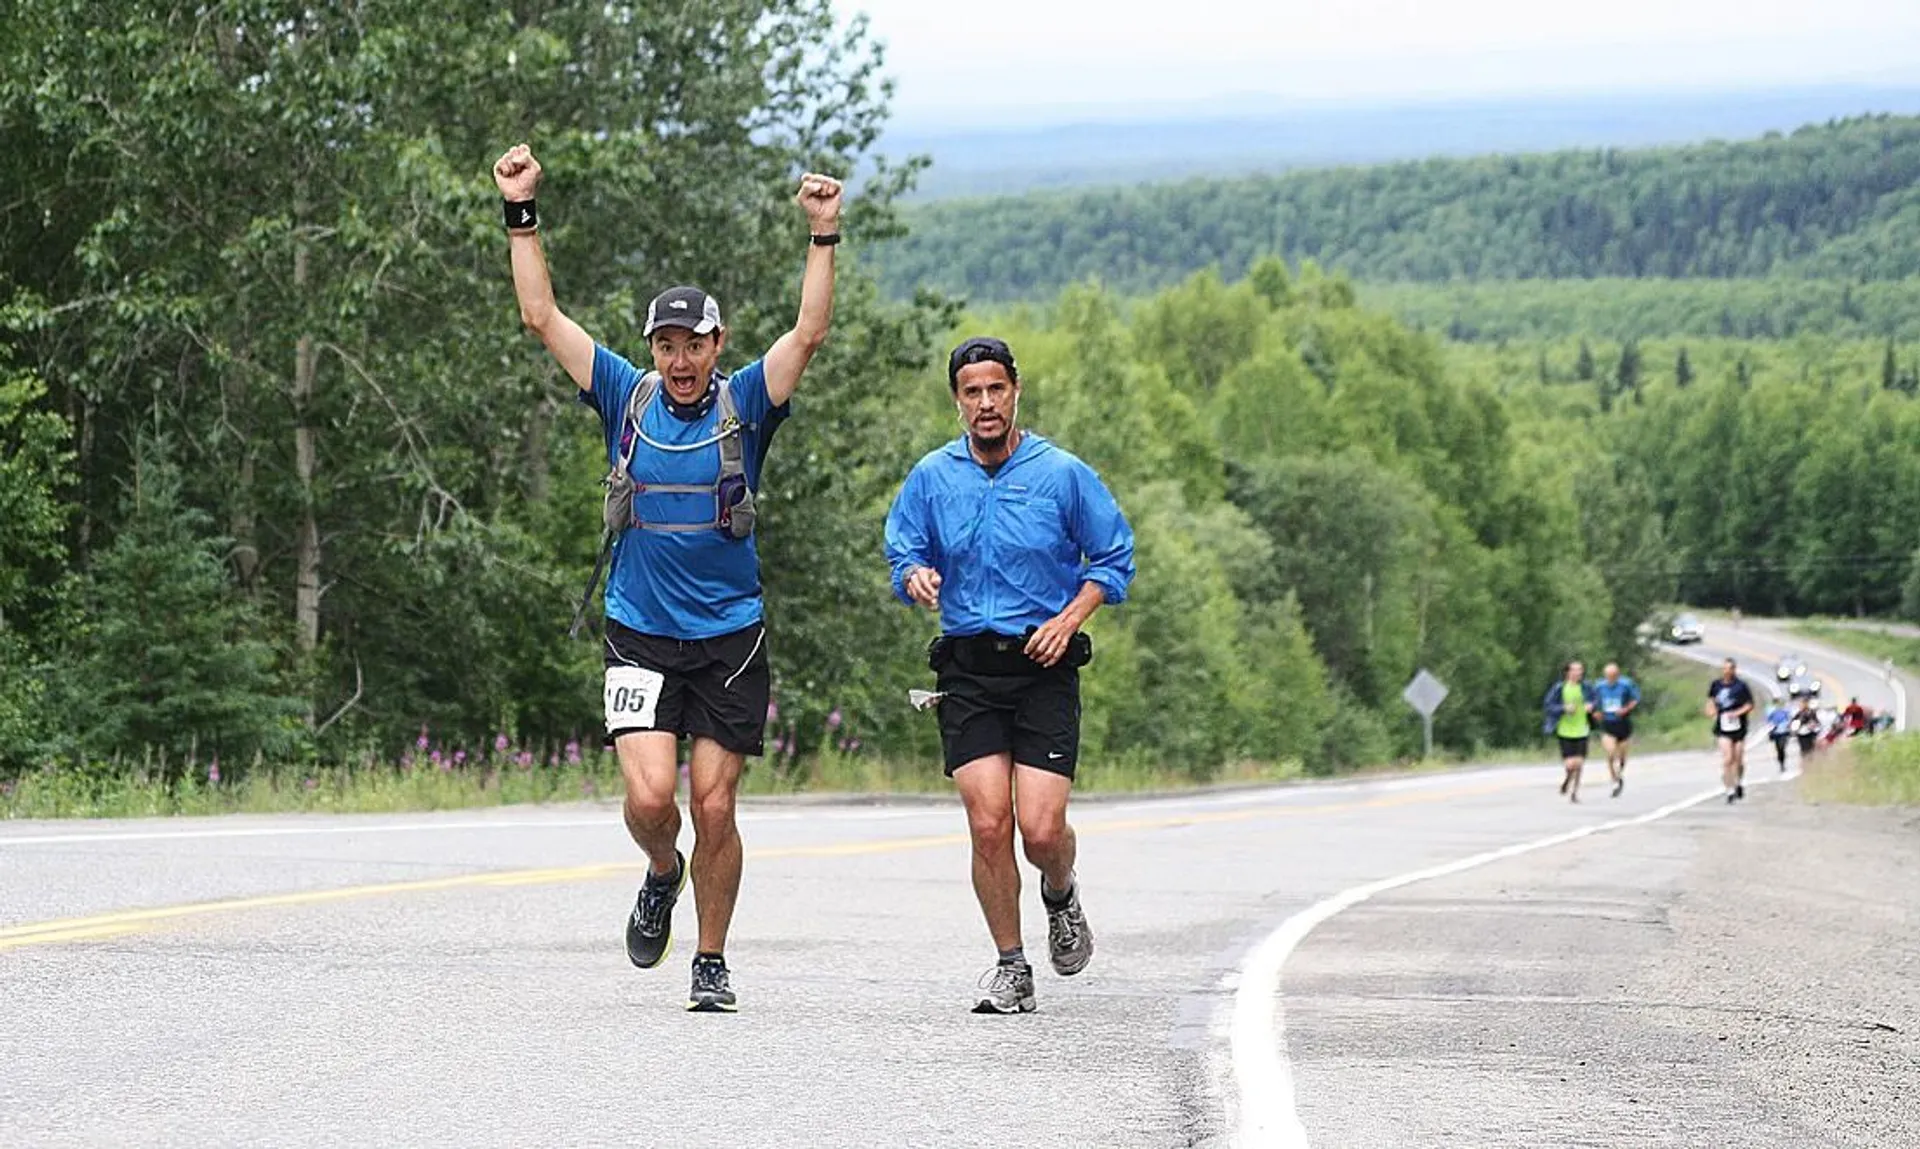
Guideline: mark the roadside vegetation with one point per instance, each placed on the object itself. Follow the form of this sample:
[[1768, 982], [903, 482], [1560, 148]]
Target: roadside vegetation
[[1883, 770]]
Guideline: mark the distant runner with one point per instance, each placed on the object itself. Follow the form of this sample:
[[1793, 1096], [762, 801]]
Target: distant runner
[[1729, 701], [1806, 728], [1618, 697], [1780, 730], [1569, 706]]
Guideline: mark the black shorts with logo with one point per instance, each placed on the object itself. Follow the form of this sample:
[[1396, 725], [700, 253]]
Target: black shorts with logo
[[999, 701], [714, 688]]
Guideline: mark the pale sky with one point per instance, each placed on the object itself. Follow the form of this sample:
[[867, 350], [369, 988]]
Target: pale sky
[[1000, 60]]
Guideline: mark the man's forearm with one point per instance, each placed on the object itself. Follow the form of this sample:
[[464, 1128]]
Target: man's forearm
[[816, 297], [1091, 597], [531, 285]]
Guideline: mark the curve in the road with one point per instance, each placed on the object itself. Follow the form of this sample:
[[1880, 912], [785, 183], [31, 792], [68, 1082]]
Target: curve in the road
[[1263, 1077]]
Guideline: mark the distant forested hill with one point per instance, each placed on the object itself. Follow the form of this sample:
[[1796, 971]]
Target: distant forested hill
[[1840, 200]]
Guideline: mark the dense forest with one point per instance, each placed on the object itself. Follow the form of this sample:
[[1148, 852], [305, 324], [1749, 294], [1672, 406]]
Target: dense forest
[[1619, 309], [1839, 201], [283, 480]]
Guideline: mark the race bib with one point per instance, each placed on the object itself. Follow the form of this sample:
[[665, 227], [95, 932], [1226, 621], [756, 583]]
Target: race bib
[[633, 693], [1729, 722], [1613, 711]]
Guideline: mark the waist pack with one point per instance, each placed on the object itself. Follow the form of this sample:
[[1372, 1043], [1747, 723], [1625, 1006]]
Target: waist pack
[[733, 507], [1001, 654]]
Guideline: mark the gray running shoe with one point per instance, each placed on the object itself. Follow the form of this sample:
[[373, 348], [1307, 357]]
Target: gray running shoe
[[712, 989], [1007, 989], [1069, 937]]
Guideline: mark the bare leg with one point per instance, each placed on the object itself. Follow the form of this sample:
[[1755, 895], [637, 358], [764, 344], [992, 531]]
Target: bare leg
[[1574, 766], [648, 763], [1040, 808], [986, 786], [714, 776], [1616, 755]]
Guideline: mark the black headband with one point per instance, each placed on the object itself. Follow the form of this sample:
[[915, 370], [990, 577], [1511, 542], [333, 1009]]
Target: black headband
[[980, 349]]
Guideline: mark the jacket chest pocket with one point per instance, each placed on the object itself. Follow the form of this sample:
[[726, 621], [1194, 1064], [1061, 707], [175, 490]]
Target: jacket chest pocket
[[1027, 525]]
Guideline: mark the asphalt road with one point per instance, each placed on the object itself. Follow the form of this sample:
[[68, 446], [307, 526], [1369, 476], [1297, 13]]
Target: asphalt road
[[459, 978]]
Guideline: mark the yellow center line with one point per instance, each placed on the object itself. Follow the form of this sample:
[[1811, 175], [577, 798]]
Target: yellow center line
[[123, 922]]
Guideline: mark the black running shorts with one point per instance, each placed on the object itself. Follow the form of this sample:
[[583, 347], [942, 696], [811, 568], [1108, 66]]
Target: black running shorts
[[1619, 727], [1737, 734], [698, 688], [1573, 748], [1003, 702]]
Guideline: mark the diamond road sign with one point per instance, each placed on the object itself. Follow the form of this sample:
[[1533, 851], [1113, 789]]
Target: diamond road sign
[[1425, 693]]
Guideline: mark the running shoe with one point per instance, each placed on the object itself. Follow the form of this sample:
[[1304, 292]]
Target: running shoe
[[1619, 784], [1565, 781], [1730, 797], [1740, 790], [650, 927], [712, 990], [1069, 937], [1006, 989]]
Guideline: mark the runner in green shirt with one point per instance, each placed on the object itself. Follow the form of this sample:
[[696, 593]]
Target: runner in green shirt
[[1569, 706]]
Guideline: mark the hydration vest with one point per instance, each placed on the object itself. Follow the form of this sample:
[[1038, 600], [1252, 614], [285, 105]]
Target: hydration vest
[[733, 508]]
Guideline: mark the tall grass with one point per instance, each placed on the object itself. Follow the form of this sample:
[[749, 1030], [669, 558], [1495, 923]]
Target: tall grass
[[1882, 770]]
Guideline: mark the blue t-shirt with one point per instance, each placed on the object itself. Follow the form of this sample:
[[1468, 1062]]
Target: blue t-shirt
[[1778, 720], [1612, 697], [682, 584]]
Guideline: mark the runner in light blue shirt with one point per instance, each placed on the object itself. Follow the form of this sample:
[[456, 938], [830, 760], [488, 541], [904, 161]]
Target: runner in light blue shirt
[[1616, 697]]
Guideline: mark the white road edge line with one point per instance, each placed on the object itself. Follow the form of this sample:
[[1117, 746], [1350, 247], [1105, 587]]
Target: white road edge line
[[1268, 1118]]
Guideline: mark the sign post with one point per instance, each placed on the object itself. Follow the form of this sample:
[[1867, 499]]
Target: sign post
[[1425, 694]]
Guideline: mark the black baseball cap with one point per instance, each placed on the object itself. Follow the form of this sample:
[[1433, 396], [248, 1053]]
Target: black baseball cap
[[980, 349], [687, 307]]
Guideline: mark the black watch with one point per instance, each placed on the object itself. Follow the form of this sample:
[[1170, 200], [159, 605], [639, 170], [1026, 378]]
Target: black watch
[[826, 240]]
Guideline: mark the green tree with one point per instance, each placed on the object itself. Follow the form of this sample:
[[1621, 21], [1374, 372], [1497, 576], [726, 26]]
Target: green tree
[[1626, 374], [170, 656], [1583, 368], [33, 457]]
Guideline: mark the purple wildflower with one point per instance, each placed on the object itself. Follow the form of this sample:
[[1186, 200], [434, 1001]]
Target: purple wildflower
[[436, 758], [500, 742], [773, 711], [573, 753], [853, 744], [213, 771], [834, 719], [311, 783], [459, 757], [525, 759], [421, 742]]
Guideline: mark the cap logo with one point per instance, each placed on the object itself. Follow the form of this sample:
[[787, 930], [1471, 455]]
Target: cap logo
[[678, 305]]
